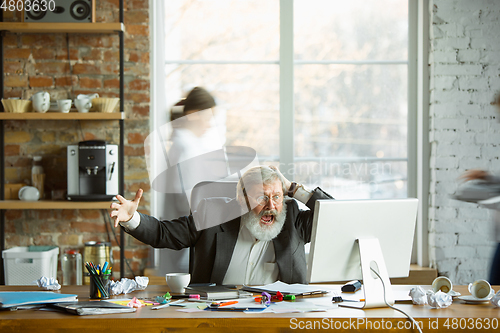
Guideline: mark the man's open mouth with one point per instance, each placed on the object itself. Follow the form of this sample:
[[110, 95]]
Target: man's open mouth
[[267, 219]]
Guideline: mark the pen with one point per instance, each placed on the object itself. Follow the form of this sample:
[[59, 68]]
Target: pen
[[227, 303], [192, 296], [166, 305]]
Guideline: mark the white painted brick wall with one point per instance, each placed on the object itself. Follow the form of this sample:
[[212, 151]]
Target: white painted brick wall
[[464, 133]]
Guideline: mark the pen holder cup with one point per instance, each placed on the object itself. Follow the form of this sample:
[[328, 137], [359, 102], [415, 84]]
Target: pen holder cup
[[97, 287]]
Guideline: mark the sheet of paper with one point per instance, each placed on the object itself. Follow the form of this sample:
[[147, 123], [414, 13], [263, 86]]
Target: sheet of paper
[[188, 310], [296, 288]]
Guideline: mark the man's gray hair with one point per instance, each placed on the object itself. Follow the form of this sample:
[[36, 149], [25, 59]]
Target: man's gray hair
[[259, 175]]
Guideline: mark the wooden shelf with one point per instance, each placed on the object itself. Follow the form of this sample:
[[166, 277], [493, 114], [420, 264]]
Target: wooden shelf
[[62, 116], [41, 27], [48, 204]]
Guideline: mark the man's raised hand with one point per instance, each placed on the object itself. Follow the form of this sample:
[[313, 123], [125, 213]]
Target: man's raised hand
[[125, 209]]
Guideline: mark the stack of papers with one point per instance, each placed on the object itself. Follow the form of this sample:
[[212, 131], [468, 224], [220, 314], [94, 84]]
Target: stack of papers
[[10, 299], [296, 289], [217, 292]]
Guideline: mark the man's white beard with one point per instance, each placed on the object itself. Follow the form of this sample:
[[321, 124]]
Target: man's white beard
[[265, 232]]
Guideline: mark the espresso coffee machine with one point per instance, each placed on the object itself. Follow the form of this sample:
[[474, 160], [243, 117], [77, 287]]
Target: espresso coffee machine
[[92, 171]]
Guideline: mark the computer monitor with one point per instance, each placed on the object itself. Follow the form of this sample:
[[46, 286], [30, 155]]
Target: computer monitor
[[350, 237]]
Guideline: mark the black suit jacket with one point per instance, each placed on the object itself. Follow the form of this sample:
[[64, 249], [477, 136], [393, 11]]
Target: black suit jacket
[[213, 247]]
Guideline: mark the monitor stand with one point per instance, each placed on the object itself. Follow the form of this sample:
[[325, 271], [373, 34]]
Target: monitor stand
[[371, 257]]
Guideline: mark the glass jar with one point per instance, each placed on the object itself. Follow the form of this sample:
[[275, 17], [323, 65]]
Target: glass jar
[[71, 266], [38, 175]]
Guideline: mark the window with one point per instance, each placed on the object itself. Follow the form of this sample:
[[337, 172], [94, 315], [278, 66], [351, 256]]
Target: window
[[318, 86]]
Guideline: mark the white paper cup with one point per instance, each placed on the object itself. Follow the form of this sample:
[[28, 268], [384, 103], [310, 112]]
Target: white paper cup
[[442, 283], [177, 282], [481, 289]]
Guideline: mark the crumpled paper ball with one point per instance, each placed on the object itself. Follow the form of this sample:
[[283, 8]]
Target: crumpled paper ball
[[439, 300], [418, 296], [125, 286], [142, 282], [48, 283], [495, 300]]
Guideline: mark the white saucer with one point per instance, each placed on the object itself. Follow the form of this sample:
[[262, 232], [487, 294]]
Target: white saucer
[[472, 300], [454, 293], [29, 193]]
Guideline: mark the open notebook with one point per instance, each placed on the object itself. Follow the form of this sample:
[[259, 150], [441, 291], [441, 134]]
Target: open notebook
[[83, 308]]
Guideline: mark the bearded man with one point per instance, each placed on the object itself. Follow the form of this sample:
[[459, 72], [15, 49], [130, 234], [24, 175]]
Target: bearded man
[[264, 244]]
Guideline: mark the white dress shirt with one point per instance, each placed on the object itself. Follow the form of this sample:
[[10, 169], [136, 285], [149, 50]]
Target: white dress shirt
[[253, 261]]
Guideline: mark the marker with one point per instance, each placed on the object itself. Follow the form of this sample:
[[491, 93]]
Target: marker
[[228, 303], [190, 296], [105, 267], [166, 305]]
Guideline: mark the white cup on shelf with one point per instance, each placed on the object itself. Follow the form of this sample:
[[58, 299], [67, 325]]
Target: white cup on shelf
[[83, 105], [41, 101], [64, 105]]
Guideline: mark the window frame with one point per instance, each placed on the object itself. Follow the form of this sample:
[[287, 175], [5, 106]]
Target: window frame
[[418, 151]]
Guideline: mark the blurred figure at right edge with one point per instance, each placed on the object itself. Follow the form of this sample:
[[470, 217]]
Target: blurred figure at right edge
[[494, 278]]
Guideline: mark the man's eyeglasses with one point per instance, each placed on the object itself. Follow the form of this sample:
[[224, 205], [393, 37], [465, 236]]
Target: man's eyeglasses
[[264, 199]]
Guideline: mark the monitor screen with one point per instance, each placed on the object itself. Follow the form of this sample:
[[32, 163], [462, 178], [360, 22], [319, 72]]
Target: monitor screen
[[334, 252]]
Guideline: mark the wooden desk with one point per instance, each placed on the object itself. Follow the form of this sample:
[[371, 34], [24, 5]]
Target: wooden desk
[[170, 320]]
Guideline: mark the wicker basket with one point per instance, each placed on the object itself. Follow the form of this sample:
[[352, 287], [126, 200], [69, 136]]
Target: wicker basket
[[106, 105], [16, 105]]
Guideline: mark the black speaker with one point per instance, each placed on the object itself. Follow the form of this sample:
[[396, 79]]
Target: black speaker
[[68, 11]]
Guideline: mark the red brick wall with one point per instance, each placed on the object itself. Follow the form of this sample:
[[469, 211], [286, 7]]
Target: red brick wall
[[39, 62]]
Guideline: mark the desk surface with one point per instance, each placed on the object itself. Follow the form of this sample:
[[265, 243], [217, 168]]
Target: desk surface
[[472, 318]]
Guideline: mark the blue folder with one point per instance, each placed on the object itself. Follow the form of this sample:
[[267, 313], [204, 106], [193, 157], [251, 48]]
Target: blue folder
[[18, 298]]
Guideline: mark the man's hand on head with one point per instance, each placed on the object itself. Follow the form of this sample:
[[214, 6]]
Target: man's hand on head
[[287, 182], [125, 209]]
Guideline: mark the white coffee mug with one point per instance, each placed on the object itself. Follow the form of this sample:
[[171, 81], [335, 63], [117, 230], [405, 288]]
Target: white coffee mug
[[481, 289], [64, 105], [83, 105], [442, 283], [177, 282], [41, 101], [29, 193]]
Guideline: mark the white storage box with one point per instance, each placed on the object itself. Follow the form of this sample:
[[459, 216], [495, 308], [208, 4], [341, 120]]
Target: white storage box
[[24, 265]]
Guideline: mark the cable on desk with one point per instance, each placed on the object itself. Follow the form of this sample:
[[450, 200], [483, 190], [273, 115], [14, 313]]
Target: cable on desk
[[393, 307]]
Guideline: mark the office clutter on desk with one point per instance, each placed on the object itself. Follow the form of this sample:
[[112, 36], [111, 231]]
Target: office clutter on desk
[[436, 300], [216, 292], [10, 299], [125, 286], [296, 289]]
